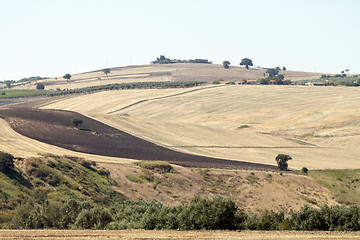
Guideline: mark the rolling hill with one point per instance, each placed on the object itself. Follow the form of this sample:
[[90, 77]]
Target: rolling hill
[[179, 72]]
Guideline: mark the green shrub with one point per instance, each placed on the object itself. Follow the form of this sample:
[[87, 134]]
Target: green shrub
[[156, 166], [6, 162], [95, 218]]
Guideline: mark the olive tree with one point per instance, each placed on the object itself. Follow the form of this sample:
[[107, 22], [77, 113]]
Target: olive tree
[[226, 64], [281, 160], [77, 121], [246, 62], [106, 71], [67, 77]]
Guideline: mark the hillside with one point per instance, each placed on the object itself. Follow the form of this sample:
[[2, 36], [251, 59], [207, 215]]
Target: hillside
[[317, 126], [179, 72]]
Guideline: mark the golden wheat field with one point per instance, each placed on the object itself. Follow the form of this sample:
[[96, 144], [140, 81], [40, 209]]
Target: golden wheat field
[[188, 235], [318, 126]]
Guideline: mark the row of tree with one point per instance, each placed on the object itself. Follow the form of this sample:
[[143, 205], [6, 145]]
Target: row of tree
[[200, 213]]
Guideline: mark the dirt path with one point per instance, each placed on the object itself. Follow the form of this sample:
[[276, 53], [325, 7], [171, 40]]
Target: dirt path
[[189, 235], [163, 97]]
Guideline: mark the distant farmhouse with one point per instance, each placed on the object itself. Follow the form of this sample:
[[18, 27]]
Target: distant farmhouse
[[163, 60], [312, 84]]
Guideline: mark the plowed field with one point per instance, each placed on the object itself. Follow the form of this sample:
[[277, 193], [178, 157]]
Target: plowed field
[[55, 127]]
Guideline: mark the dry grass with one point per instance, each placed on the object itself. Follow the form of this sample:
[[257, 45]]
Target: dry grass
[[149, 235], [318, 126], [167, 72]]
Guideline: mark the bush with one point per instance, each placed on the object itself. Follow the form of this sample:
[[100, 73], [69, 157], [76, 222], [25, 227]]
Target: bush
[[305, 170], [95, 218], [6, 162], [157, 166], [40, 86]]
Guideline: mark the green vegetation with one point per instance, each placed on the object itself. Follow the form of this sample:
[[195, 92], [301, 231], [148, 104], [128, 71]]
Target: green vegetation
[[246, 62], [67, 77], [156, 166], [53, 179], [200, 213], [335, 80], [226, 64], [116, 86], [6, 162], [244, 126], [106, 71], [77, 121], [343, 184], [40, 86], [281, 160]]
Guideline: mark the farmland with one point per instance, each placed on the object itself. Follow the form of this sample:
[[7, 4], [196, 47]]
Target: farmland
[[220, 139]]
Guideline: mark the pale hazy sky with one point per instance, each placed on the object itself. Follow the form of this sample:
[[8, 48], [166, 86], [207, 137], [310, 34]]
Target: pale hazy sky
[[54, 37]]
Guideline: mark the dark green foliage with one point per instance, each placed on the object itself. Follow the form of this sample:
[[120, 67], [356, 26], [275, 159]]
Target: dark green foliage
[[272, 72], [246, 62], [281, 160], [305, 170], [114, 86], [40, 86], [200, 213], [67, 77], [106, 71], [226, 64], [77, 121], [94, 218], [6, 162], [203, 213]]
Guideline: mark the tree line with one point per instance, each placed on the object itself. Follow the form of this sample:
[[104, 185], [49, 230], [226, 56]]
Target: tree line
[[114, 86], [200, 213]]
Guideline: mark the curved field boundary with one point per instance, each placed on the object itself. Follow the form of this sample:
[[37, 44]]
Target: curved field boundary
[[162, 97], [55, 127], [174, 146]]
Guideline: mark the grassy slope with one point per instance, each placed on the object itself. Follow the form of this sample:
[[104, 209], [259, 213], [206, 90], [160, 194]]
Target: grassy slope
[[55, 179]]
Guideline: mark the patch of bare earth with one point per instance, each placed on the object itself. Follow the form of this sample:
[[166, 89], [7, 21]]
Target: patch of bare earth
[[189, 235], [55, 127], [254, 191]]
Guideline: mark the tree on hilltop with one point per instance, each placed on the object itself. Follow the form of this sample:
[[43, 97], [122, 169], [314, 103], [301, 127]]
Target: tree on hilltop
[[67, 77], [106, 71], [247, 62], [226, 64]]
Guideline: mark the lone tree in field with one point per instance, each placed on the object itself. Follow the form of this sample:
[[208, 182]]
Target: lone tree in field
[[77, 121], [40, 86], [247, 62], [6, 162], [226, 64], [281, 160], [106, 71], [67, 77]]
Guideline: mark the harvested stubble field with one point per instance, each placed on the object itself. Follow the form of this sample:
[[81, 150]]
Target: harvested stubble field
[[188, 235], [163, 72], [318, 126], [56, 128]]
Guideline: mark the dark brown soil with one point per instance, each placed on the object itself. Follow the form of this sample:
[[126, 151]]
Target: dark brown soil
[[56, 127]]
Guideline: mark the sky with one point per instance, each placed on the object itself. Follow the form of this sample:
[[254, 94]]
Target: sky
[[54, 37]]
